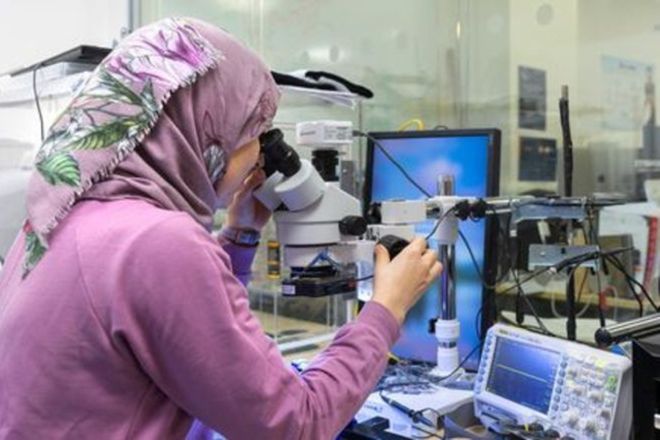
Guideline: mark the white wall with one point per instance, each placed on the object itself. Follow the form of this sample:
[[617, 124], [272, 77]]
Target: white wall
[[31, 30]]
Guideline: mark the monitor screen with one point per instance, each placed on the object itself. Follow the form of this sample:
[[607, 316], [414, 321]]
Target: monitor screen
[[472, 157], [523, 373]]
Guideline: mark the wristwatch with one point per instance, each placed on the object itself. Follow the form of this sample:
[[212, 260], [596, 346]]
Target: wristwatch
[[241, 237]]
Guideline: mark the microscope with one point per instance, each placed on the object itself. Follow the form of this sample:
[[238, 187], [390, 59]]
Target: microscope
[[318, 224], [324, 238]]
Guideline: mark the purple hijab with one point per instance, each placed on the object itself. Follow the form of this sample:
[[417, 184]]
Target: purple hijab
[[155, 121]]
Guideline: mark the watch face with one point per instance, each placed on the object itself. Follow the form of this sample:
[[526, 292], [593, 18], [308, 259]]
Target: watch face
[[247, 237]]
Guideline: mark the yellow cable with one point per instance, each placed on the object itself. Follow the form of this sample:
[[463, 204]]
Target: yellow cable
[[409, 122], [393, 356]]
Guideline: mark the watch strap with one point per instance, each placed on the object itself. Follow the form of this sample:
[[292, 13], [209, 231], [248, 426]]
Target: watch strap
[[241, 236]]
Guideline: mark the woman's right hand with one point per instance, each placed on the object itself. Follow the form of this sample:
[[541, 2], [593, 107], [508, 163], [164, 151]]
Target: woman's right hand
[[399, 283]]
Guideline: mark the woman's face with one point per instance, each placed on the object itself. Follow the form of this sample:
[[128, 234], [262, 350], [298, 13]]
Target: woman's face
[[239, 165]]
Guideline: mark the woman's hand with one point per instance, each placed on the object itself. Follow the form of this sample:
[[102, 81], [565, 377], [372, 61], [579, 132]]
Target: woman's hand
[[244, 211], [399, 283]]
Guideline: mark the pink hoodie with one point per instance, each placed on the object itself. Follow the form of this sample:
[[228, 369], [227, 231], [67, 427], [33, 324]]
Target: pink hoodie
[[133, 324]]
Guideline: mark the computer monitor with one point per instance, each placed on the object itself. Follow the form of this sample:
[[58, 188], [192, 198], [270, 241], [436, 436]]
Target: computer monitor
[[472, 156]]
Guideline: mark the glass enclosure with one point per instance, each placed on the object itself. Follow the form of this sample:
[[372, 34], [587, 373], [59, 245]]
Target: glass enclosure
[[475, 63], [484, 63]]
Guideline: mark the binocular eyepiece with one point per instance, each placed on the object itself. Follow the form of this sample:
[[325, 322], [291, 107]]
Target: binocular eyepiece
[[278, 155]]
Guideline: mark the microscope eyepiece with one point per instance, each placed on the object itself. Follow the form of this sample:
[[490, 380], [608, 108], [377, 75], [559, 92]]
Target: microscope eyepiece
[[278, 155]]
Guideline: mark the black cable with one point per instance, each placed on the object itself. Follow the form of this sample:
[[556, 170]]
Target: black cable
[[637, 283], [36, 99], [423, 191], [429, 379], [619, 265], [440, 126], [392, 160], [435, 379], [521, 296], [631, 280], [438, 222], [571, 312], [477, 324], [408, 177], [564, 116], [635, 295], [475, 264], [594, 241], [527, 279]]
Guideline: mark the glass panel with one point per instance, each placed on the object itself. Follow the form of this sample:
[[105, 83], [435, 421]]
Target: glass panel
[[496, 63]]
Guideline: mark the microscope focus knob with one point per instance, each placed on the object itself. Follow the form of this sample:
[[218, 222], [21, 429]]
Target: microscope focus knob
[[393, 244], [353, 225]]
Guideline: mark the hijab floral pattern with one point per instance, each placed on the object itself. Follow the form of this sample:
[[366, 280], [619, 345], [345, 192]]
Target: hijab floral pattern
[[111, 115]]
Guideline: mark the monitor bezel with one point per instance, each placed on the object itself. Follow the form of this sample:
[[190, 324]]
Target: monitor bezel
[[494, 135]]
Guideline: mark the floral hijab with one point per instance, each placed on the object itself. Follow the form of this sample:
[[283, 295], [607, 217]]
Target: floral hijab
[[155, 121]]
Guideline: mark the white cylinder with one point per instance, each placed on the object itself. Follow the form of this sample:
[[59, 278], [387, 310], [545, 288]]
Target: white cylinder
[[447, 330], [308, 234], [266, 192], [447, 333], [302, 189], [447, 233], [447, 359]]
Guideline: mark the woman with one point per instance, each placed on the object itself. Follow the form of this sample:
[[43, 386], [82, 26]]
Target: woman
[[120, 315]]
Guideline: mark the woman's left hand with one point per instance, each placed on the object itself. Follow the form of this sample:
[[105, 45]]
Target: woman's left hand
[[244, 211]]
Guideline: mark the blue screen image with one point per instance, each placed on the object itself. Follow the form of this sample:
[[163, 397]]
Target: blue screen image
[[465, 157], [523, 373]]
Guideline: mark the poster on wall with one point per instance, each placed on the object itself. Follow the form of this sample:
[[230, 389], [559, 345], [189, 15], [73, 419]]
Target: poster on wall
[[532, 98], [624, 88], [538, 159]]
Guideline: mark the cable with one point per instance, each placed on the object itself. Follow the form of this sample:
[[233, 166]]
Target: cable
[[581, 289], [631, 280], [525, 280], [435, 379], [601, 311], [427, 194], [438, 222], [407, 176], [614, 261], [619, 265], [36, 99], [518, 283], [564, 117], [477, 324], [427, 379], [392, 160], [475, 264], [523, 295], [579, 295], [409, 122], [553, 305]]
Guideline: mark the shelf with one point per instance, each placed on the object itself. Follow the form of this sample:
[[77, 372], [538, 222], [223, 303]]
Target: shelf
[[301, 96]]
